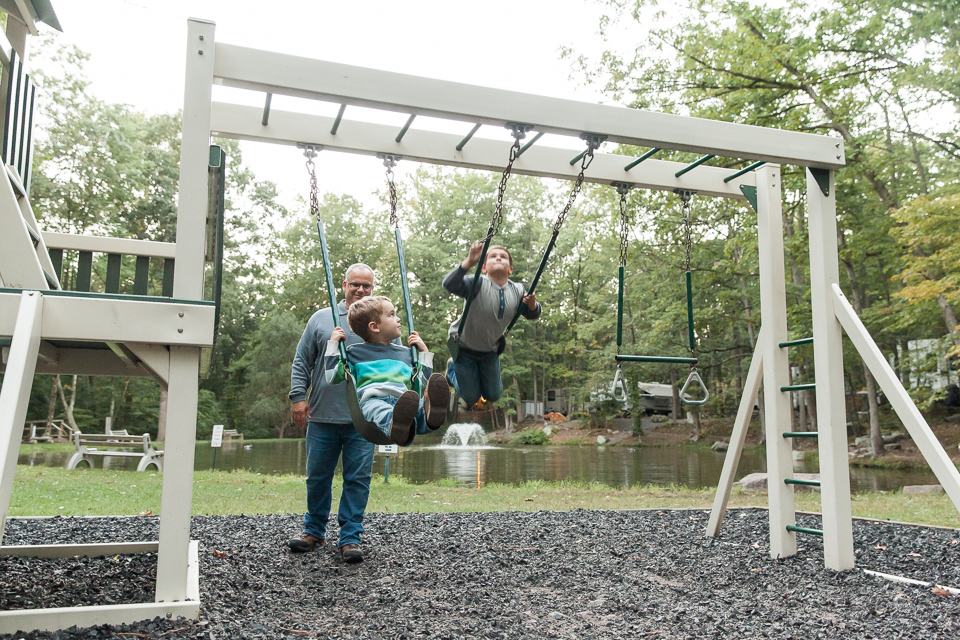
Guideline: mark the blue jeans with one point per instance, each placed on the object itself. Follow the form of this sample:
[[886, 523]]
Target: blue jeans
[[476, 374], [325, 443], [379, 411]]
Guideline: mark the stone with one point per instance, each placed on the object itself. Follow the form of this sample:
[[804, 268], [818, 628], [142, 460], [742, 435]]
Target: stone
[[920, 489], [862, 442], [720, 445], [896, 436], [548, 430], [753, 482], [892, 446], [601, 440]]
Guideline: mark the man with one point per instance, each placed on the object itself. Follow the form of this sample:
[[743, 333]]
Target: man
[[330, 432]]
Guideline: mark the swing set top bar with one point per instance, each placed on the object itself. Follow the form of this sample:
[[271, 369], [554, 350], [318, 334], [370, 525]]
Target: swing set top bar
[[270, 72]]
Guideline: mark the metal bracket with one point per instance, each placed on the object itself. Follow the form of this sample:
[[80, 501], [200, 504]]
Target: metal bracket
[[390, 160], [623, 188], [594, 140], [685, 195], [310, 150], [519, 130], [750, 192], [822, 176]]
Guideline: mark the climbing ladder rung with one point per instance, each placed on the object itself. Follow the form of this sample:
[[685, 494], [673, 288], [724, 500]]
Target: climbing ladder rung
[[664, 359], [800, 434], [799, 387], [815, 532], [806, 483], [794, 343]]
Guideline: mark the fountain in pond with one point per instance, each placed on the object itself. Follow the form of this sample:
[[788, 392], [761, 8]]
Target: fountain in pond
[[464, 435]]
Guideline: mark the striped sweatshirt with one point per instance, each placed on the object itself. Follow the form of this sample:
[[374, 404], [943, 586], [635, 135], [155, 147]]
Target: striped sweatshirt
[[379, 369]]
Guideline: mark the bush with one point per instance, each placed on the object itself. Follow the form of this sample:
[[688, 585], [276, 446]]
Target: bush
[[533, 436]]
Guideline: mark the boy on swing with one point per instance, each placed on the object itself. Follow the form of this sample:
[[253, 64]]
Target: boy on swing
[[475, 371], [384, 372]]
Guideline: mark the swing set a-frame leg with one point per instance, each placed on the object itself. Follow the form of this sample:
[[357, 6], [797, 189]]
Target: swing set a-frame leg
[[751, 389]]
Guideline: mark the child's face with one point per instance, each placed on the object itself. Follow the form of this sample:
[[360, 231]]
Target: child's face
[[389, 323], [498, 263]]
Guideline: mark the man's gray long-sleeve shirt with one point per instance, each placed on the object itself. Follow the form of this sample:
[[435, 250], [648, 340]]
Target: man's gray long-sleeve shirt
[[491, 311], [327, 402]]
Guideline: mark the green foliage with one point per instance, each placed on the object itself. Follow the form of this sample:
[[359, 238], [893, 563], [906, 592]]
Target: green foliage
[[533, 436]]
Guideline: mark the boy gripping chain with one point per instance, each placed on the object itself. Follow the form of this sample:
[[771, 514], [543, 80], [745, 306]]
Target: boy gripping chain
[[384, 372], [476, 372]]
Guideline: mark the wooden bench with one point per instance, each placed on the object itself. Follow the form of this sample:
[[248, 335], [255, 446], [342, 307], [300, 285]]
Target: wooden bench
[[114, 445], [232, 434]]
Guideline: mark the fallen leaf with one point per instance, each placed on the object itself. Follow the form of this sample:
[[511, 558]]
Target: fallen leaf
[[755, 570], [148, 512], [914, 555], [939, 591], [756, 545], [954, 541], [881, 548], [220, 554]]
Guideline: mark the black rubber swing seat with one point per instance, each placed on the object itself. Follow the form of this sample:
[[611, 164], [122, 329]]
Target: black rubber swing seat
[[367, 430]]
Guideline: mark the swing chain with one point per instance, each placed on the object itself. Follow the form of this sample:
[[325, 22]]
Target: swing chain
[[623, 189], [390, 161], [685, 197], [593, 142], [519, 132], [310, 152]]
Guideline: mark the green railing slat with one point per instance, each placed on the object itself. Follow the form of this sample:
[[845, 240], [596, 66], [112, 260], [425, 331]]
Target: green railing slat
[[141, 276], [168, 268], [56, 257], [113, 272], [84, 270]]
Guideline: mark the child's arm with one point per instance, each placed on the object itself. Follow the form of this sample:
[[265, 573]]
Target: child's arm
[[457, 281], [425, 357], [530, 309], [332, 364]]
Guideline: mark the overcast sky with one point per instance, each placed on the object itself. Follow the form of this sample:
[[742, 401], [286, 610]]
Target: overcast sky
[[138, 48]]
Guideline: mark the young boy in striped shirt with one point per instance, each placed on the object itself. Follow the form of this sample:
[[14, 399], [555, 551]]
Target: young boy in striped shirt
[[384, 372]]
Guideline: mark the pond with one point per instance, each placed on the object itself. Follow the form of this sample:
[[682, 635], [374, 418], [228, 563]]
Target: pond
[[477, 465]]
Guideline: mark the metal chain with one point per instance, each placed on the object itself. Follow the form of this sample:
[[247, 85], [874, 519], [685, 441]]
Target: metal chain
[[519, 132], [592, 144], [623, 189], [685, 197], [310, 152], [389, 161]]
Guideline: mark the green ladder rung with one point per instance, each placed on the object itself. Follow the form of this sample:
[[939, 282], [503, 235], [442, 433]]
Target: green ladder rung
[[799, 387], [815, 532], [806, 483], [661, 359], [801, 434], [794, 343]]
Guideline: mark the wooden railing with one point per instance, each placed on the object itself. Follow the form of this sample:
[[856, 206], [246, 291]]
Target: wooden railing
[[17, 148]]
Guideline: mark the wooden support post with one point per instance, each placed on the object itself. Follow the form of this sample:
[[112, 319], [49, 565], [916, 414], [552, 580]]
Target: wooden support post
[[776, 364], [828, 362]]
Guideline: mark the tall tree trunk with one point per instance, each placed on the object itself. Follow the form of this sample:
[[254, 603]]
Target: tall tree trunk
[[675, 388], [51, 409], [162, 417], [67, 406], [949, 319]]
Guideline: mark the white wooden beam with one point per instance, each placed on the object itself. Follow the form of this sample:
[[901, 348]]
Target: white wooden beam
[[346, 84], [89, 550], [244, 123], [88, 362], [828, 364], [154, 358], [102, 244], [751, 388], [776, 364], [108, 320], [194, 158], [900, 400], [19, 262], [15, 392]]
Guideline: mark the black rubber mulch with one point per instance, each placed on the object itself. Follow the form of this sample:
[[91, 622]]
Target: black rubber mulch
[[575, 574]]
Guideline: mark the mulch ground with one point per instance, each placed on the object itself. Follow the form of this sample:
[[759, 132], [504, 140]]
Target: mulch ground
[[575, 574]]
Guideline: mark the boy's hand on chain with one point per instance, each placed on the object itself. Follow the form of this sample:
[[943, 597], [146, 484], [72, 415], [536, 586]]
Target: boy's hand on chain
[[473, 256], [338, 335], [417, 341], [531, 301]]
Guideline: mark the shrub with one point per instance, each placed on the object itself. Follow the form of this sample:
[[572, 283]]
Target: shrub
[[533, 436]]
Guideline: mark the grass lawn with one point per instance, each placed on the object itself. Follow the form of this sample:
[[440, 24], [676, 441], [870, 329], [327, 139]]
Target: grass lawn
[[50, 491]]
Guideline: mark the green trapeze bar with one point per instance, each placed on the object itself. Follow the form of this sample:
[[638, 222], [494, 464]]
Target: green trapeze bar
[[815, 532], [799, 387], [620, 307], [403, 131], [693, 165], [664, 359], [648, 154], [806, 483], [690, 311], [801, 434], [467, 137], [793, 343], [336, 122], [744, 170], [530, 144]]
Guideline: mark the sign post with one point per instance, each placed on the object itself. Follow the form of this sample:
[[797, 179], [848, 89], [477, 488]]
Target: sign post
[[216, 441], [388, 450]]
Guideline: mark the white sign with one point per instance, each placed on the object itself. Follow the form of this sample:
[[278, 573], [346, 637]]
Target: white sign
[[389, 449], [216, 440]]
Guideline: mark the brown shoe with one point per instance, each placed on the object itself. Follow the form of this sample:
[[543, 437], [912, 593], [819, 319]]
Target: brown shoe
[[404, 413], [435, 400], [350, 553], [306, 542]]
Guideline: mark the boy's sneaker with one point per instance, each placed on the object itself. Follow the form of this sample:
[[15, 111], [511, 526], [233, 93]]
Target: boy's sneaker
[[404, 413], [306, 542], [435, 399]]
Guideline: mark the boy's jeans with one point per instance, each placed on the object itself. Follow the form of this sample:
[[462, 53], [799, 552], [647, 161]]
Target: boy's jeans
[[379, 411], [476, 374], [325, 443]]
